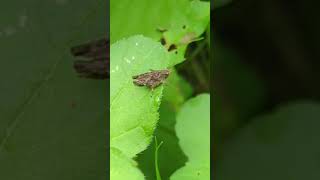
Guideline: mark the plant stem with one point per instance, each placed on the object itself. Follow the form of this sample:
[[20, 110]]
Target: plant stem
[[156, 158]]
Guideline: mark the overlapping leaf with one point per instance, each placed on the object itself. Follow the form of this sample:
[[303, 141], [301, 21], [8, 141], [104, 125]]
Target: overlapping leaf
[[176, 92], [193, 131], [134, 109], [184, 21]]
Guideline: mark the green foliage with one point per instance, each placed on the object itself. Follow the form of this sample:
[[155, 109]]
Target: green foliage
[[171, 156], [52, 123], [184, 21], [123, 167], [193, 131], [280, 145], [133, 109], [145, 17]]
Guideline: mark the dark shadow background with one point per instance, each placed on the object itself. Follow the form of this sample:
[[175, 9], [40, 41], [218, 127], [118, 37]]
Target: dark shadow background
[[276, 40], [265, 55]]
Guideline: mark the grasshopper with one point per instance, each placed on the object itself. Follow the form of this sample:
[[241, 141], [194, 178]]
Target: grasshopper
[[151, 79]]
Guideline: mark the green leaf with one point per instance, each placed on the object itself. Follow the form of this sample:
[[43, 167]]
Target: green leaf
[[52, 122], [281, 145], [145, 17], [193, 131], [127, 167], [183, 19], [134, 109], [176, 91]]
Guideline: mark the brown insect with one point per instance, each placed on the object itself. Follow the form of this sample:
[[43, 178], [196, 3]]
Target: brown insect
[[151, 79], [95, 61]]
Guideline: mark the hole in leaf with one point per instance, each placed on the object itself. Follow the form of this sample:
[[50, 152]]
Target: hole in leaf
[[172, 47], [162, 30], [163, 41]]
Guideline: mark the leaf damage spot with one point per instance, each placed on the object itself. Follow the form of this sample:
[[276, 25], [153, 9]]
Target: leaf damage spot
[[189, 37], [172, 47], [163, 41], [161, 30]]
